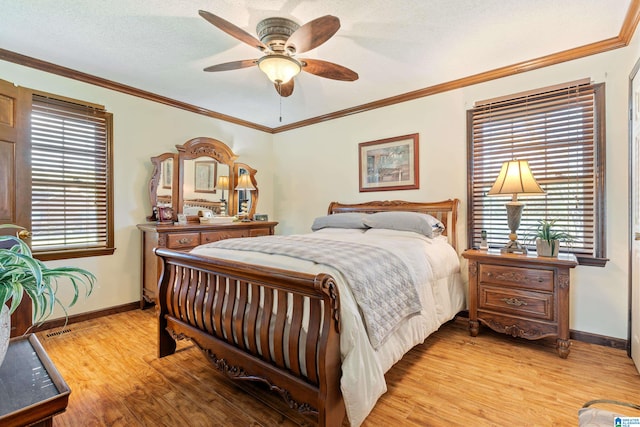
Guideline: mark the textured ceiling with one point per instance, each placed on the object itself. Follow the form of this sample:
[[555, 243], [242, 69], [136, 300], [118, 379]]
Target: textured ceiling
[[395, 46]]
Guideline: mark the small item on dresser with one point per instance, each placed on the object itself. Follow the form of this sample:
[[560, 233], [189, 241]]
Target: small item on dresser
[[261, 217], [217, 220], [165, 214], [483, 240], [182, 219]]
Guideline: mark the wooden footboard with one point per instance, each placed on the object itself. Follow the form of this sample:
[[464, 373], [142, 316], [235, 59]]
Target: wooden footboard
[[257, 323]]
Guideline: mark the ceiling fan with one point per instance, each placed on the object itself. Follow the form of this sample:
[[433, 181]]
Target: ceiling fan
[[280, 39]]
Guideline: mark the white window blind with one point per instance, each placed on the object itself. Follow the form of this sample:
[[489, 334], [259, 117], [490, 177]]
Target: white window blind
[[71, 194], [560, 131]]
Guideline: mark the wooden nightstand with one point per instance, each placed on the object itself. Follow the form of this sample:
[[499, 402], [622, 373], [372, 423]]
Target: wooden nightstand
[[520, 295]]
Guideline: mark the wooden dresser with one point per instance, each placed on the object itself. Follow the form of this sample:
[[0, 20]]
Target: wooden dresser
[[520, 295], [184, 238]]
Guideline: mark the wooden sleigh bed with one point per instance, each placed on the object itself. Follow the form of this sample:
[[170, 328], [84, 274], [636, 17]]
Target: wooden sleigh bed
[[294, 349]]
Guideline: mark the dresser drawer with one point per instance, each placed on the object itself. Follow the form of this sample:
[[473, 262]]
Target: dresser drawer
[[257, 232], [538, 305], [214, 236], [517, 277], [182, 240]]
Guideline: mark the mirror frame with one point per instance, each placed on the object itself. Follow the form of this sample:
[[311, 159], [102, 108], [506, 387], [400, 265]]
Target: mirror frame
[[154, 182], [254, 193], [204, 147]]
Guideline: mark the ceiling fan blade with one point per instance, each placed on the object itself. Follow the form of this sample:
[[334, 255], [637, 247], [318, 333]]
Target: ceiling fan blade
[[328, 70], [234, 65], [313, 33], [233, 31], [284, 89]]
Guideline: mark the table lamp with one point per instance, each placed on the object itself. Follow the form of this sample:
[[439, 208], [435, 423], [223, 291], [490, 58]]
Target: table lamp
[[244, 184], [515, 178], [223, 184]]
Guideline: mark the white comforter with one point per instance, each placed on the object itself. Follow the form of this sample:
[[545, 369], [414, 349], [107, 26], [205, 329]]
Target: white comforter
[[435, 267]]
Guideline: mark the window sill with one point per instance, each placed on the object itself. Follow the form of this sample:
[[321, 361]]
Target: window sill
[[591, 261], [76, 253]]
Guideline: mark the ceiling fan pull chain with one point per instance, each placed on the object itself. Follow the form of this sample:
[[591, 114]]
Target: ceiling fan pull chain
[[279, 97]]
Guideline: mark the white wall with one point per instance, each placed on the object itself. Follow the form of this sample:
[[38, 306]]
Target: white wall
[[318, 164], [142, 129], [301, 171]]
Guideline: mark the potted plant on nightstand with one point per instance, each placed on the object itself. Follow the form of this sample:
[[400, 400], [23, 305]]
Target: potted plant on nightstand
[[21, 273], [548, 238]]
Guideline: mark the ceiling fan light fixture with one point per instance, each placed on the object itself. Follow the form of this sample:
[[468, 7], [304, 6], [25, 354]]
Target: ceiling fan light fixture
[[279, 68]]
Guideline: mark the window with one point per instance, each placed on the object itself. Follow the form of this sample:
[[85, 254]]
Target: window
[[71, 213], [560, 131]]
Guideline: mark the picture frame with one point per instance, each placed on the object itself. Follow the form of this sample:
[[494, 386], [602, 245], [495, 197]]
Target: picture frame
[[165, 214], [389, 164], [206, 176], [167, 173]]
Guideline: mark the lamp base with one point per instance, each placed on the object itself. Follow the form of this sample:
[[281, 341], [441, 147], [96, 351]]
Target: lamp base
[[514, 213], [514, 247]]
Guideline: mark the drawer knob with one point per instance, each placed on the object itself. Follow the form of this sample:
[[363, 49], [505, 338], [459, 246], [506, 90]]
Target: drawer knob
[[513, 301], [184, 241]]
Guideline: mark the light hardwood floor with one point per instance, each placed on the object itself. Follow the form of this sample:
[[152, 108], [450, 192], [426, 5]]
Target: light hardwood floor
[[452, 379]]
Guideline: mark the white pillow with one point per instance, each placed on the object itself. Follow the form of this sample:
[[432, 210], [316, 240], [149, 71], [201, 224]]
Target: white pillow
[[340, 220], [424, 224]]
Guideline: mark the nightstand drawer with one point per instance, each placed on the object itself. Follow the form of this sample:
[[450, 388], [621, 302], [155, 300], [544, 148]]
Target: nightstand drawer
[[536, 305], [528, 278], [214, 236], [182, 240]]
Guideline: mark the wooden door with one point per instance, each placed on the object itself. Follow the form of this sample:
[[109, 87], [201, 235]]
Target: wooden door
[[634, 189], [15, 175]]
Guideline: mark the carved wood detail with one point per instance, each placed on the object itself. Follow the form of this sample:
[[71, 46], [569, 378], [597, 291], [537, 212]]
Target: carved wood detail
[[236, 372], [515, 330], [563, 347], [563, 280], [473, 269]]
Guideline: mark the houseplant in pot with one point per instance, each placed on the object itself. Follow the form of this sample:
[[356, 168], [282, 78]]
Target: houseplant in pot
[[548, 238], [21, 273]]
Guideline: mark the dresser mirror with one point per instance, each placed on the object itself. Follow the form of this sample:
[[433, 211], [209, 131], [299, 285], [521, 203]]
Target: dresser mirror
[[202, 176]]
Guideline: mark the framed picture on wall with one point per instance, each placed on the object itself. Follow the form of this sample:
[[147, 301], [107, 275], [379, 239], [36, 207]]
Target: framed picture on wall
[[389, 164], [206, 176]]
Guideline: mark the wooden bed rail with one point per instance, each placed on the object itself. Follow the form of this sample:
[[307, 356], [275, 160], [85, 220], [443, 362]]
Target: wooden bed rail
[[257, 323]]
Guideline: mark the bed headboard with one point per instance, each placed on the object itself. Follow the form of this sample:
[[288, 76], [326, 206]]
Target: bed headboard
[[446, 211]]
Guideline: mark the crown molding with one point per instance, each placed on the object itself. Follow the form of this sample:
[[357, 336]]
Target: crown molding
[[59, 70]]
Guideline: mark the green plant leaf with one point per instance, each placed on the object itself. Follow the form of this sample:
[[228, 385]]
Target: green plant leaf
[[20, 273]]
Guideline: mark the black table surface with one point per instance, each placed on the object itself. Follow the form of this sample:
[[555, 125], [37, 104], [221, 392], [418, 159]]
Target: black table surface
[[25, 379]]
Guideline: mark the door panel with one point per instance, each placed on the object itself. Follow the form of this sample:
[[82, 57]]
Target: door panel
[[7, 184], [634, 286], [15, 176]]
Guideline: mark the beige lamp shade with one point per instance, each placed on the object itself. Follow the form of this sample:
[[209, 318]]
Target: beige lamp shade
[[223, 183], [244, 183], [515, 177], [279, 68]]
